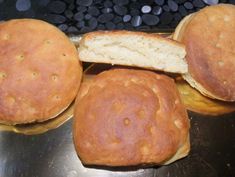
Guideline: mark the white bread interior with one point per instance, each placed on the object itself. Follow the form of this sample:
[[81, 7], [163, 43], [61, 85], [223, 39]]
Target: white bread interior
[[133, 49]]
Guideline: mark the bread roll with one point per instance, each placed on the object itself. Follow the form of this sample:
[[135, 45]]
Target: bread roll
[[129, 117], [39, 71], [209, 39], [133, 49]]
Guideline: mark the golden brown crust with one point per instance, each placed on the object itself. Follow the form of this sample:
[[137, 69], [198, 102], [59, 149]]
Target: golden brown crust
[[127, 33], [129, 117], [209, 39], [39, 71], [179, 30]]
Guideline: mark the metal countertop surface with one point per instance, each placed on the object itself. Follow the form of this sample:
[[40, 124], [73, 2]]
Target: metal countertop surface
[[52, 153]]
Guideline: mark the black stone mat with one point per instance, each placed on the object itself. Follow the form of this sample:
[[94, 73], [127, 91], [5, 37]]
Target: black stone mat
[[79, 16]]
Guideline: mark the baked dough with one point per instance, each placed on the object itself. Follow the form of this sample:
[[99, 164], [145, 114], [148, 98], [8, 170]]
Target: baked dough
[[137, 49], [209, 39], [39, 71], [130, 117]]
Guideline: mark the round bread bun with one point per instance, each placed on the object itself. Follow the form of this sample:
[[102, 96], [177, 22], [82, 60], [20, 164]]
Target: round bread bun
[[209, 39], [39, 71], [126, 117]]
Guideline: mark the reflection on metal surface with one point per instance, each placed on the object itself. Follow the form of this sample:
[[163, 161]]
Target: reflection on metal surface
[[40, 127], [196, 102], [97, 171]]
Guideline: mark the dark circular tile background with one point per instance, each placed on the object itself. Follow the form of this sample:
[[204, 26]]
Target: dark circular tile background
[[74, 16]]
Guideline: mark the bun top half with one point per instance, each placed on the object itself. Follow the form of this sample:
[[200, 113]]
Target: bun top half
[[130, 117], [39, 71], [209, 37]]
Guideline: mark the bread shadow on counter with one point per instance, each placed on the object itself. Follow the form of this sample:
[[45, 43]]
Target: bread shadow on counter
[[94, 69], [123, 168]]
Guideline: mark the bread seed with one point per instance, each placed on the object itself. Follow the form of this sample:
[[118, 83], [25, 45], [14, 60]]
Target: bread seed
[[154, 90], [126, 121], [10, 100], [177, 101], [116, 141], [221, 36], [6, 37], [151, 130], [20, 57], [126, 84], [220, 63], [118, 107], [34, 74], [226, 18], [211, 18], [87, 144], [57, 97], [178, 123], [54, 77], [218, 45], [141, 114], [48, 42], [134, 80], [32, 110], [2, 75], [144, 150]]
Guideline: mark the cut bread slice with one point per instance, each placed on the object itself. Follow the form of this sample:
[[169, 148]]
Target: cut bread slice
[[133, 49]]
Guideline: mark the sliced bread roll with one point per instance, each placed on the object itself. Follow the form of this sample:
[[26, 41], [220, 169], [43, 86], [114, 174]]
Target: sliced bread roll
[[133, 49]]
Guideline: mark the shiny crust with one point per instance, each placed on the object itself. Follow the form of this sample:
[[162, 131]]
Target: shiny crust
[[39, 71], [130, 117], [209, 39]]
